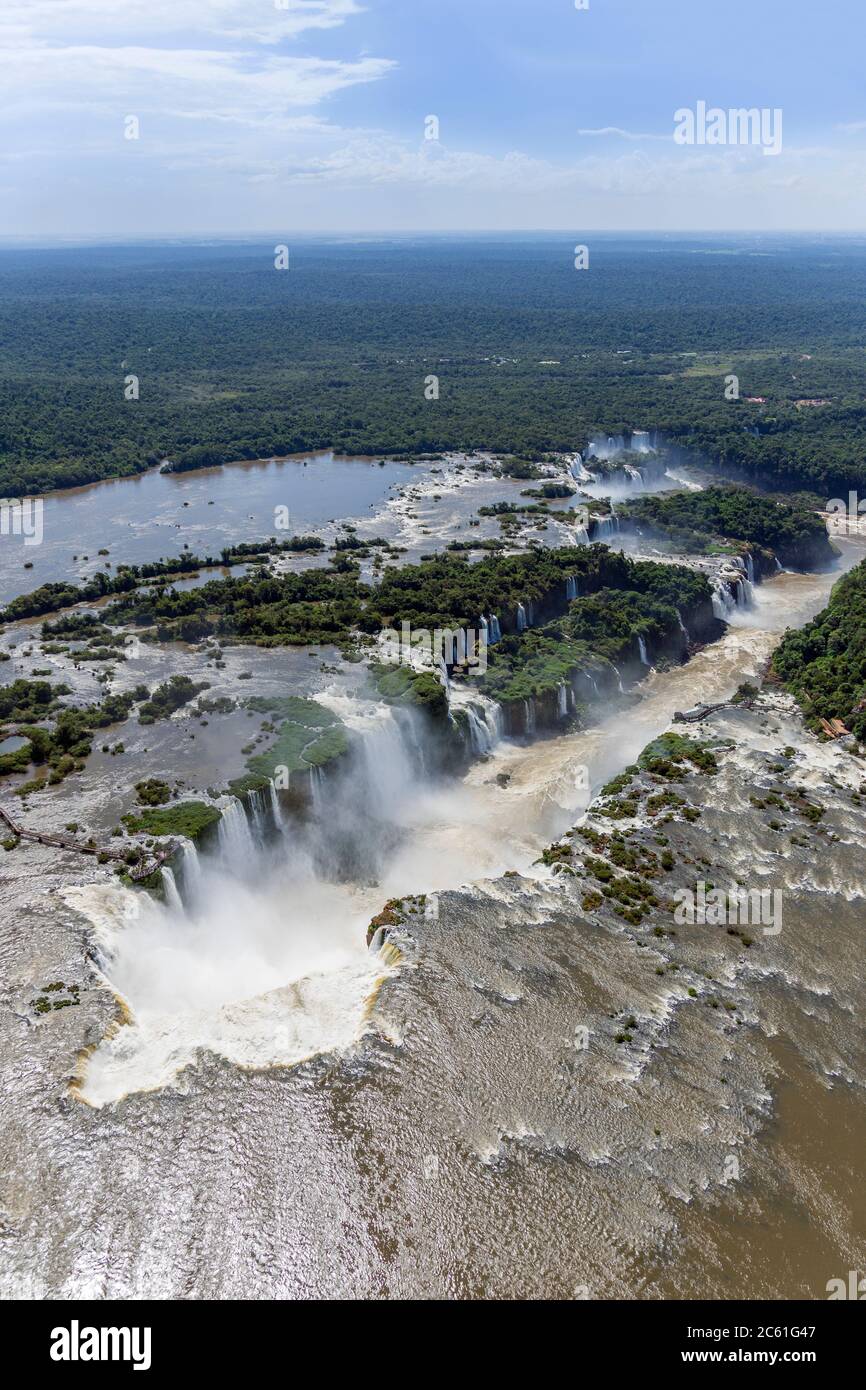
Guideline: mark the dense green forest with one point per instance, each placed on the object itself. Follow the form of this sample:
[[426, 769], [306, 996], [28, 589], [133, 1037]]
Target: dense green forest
[[237, 360], [718, 516], [602, 625], [333, 604], [618, 599], [824, 663], [50, 598]]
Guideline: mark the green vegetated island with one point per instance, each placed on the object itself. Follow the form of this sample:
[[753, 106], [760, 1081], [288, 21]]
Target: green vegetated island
[[531, 355], [726, 520], [589, 610]]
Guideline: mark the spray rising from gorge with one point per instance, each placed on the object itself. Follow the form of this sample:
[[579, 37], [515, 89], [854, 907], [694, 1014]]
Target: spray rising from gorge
[[258, 952]]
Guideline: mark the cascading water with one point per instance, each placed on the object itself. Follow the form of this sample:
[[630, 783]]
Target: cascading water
[[683, 629], [317, 779], [605, 446], [191, 875], [529, 717], [737, 581], [605, 526], [521, 618], [495, 630], [276, 808], [260, 806], [483, 717], [724, 603], [172, 896], [562, 695], [578, 470], [641, 645], [570, 587], [236, 842]]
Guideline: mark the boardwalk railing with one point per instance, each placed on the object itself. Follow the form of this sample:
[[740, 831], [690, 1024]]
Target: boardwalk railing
[[136, 871]]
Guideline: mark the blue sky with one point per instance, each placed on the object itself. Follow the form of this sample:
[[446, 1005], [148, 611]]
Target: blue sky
[[305, 115]]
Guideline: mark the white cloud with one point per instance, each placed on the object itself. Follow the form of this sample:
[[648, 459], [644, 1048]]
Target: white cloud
[[626, 134], [199, 59], [324, 155], [230, 85], [231, 129], [34, 22]]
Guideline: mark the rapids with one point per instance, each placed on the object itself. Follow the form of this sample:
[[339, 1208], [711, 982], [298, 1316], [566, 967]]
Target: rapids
[[265, 960]]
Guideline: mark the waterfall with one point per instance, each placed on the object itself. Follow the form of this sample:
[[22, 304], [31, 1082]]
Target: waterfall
[[642, 649], [581, 535], [495, 630], [485, 725], [683, 629], [605, 526], [570, 587], [778, 565], [750, 567], [724, 604], [172, 896], [259, 809], [619, 680], [529, 716], [235, 838], [190, 869], [383, 755], [410, 734], [521, 618], [276, 808], [562, 695], [483, 719], [743, 593], [317, 787], [721, 601]]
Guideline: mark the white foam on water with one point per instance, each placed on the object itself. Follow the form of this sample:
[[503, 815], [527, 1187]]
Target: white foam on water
[[261, 975], [273, 969]]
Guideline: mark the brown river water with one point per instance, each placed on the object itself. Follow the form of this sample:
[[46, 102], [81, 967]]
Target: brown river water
[[282, 1114]]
